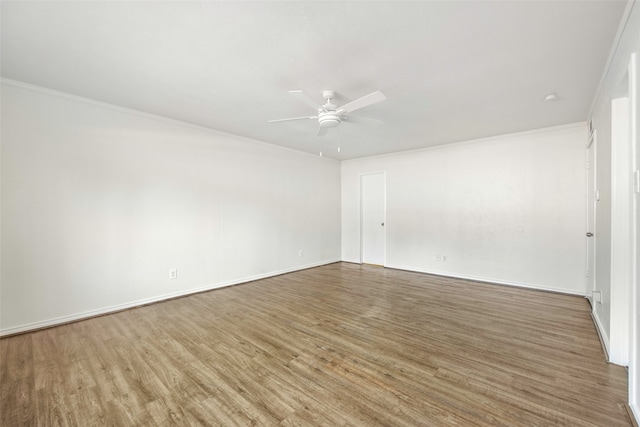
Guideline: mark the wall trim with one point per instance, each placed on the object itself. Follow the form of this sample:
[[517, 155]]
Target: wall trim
[[612, 53], [602, 334], [137, 303], [125, 110], [634, 413], [489, 280], [537, 131]]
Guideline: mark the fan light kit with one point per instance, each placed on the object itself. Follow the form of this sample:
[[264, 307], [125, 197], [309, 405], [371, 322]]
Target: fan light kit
[[330, 115]]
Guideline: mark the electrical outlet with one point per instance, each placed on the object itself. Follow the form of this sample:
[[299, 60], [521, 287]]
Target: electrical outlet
[[173, 274], [438, 258], [444, 258], [300, 253], [597, 296]]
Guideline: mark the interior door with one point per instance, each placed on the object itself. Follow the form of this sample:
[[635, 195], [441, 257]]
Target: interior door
[[591, 214], [373, 212]]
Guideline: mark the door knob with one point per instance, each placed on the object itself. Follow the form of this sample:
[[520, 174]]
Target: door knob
[[382, 224], [589, 234]]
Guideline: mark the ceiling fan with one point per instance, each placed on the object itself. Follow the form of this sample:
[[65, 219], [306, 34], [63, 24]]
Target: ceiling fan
[[330, 115]]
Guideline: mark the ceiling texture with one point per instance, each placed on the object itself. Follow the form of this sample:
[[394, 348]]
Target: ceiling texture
[[451, 70]]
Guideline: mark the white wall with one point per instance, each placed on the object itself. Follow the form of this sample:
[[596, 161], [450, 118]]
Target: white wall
[[628, 44], [98, 203], [508, 209]]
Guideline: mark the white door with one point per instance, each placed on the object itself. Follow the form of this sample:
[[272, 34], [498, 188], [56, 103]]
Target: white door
[[591, 214], [372, 203]]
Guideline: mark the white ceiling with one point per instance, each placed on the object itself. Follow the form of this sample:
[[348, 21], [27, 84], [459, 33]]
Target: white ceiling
[[451, 70]]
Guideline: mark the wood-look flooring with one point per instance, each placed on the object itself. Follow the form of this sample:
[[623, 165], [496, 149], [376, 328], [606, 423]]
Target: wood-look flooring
[[337, 345]]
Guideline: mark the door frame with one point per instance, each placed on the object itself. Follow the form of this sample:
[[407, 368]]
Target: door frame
[[361, 218], [592, 169], [634, 318], [623, 135]]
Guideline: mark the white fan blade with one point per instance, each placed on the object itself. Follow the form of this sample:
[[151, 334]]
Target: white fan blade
[[322, 131], [304, 98], [361, 120], [365, 101], [293, 118]]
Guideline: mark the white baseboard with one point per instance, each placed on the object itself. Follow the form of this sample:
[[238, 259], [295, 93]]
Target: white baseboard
[[119, 307], [489, 280], [602, 334], [635, 412]]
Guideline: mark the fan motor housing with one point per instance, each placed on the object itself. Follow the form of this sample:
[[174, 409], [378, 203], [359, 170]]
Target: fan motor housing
[[329, 119]]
